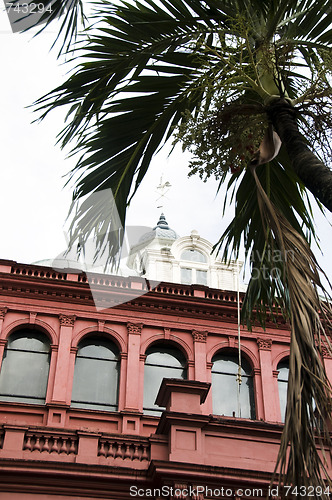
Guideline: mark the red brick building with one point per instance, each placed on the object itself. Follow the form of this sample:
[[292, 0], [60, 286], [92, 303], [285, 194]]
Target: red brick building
[[78, 387]]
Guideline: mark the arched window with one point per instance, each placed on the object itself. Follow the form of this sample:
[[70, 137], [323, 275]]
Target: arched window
[[197, 271], [96, 375], [228, 397], [283, 369], [162, 361], [193, 255], [25, 367]]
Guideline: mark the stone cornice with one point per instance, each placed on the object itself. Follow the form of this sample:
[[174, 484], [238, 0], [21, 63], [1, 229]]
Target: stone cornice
[[166, 299]]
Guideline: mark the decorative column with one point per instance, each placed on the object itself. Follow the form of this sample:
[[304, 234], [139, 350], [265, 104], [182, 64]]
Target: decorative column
[[199, 338], [133, 367], [63, 360], [327, 362], [270, 394], [201, 374], [3, 342]]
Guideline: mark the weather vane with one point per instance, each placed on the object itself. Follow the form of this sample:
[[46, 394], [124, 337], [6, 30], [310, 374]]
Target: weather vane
[[162, 190]]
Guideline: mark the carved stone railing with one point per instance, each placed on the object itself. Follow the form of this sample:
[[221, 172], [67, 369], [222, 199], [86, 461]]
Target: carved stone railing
[[52, 443], [124, 448], [37, 272], [187, 291], [222, 296], [112, 281]]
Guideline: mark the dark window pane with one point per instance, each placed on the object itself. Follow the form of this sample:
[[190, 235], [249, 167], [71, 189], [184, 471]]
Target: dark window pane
[[229, 364], [153, 377], [193, 256], [28, 340], [96, 375], [229, 398], [161, 362], [165, 356], [283, 369], [24, 373], [98, 348]]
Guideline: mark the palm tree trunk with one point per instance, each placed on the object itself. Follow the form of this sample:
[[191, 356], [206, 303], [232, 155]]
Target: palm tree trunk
[[310, 170]]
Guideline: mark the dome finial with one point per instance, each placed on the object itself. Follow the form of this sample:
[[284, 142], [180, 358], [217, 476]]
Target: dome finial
[[162, 221]]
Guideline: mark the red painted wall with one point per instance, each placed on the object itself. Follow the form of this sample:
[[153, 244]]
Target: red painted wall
[[54, 451]]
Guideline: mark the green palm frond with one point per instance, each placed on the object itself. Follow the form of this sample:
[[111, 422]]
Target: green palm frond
[[68, 14]]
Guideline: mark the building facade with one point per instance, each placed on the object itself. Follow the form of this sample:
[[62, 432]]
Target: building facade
[[137, 399]]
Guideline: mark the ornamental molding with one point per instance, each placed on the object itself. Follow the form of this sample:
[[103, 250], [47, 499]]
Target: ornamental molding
[[66, 320], [101, 325], [264, 344], [32, 319], [326, 353], [167, 333], [199, 336], [3, 311], [135, 328]]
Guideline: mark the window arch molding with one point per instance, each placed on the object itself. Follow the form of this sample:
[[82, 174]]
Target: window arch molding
[[224, 384], [284, 355], [38, 325], [193, 243], [107, 333], [197, 257], [173, 341], [224, 346], [283, 372], [96, 349]]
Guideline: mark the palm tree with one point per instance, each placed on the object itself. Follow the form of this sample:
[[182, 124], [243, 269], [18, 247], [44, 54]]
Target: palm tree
[[245, 85]]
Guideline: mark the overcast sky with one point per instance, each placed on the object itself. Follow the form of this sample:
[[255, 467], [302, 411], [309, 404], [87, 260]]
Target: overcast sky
[[33, 202]]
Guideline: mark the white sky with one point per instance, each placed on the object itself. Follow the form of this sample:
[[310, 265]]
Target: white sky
[[33, 202]]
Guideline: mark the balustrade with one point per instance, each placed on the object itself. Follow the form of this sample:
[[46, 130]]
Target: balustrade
[[50, 443], [123, 449]]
